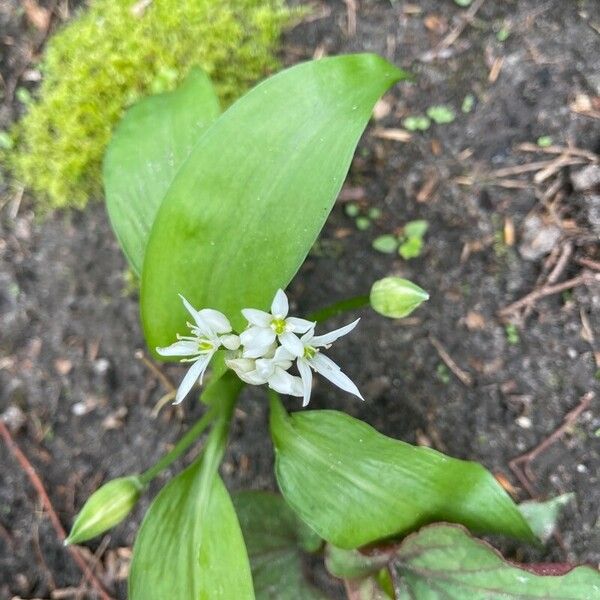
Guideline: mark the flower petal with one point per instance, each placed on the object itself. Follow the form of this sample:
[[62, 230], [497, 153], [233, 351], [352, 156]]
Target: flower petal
[[280, 305], [256, 338], [245, 369], [195, 314], [265, 367], [323, 365], [299, 325], [257, 317], [306, 375], [284, 383], [328, 338], [292, 344], [230, 341], [283, 354], [216, 321], [181, 348], [195, 373]]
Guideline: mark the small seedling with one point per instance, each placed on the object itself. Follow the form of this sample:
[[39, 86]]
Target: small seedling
[[443, 373], [512, 334], [417, 123], [409, 244], [352, 209], [468, 103], [503, 33], [544, 141], [362, 223], [441, 114]]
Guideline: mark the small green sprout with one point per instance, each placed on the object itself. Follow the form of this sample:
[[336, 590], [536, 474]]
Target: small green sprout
[[417, 123], [409, 244], [503, 33], [443, 374], [468, 103], [512, 334], [352, 209], [441, 114], [544, 141], [362, 223]]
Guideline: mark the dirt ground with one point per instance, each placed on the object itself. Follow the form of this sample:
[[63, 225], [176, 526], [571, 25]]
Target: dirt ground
[[79, 403]]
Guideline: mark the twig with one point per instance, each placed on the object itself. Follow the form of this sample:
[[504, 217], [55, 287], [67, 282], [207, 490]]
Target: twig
[[462, 375], [457, 31], [588, 262], [568, 150], [526, 168], [165, 381], [524, 473], [561, 263], [351, 8], [47, 504], [548, 290]]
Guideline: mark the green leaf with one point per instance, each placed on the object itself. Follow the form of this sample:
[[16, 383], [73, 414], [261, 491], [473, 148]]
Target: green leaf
[[246, 207], [354, 486], [147, 149], [411, 248], [275, 539], [445, 562], [543, 516], [181, 556], [416, 229], [385, 243], [395, 297]]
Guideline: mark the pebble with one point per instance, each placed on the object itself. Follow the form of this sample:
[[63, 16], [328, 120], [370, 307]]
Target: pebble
[[524, 422], [14, 418], [538, 238]]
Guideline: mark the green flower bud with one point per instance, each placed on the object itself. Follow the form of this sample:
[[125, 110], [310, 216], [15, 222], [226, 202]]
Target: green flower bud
[[105, 508], [396, 297]]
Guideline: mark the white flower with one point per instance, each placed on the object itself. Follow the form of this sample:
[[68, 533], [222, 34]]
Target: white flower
[[311, 356], [210, 331], [272, 370], [264, 328]]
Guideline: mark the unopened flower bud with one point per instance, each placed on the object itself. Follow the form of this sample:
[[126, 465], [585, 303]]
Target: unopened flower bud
[[396, 297], [105, 508]]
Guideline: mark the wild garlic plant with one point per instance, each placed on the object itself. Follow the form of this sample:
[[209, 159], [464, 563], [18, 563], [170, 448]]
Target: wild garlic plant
[[216, 213]]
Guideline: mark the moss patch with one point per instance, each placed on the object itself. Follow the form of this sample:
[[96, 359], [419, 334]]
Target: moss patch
[[112, 55]]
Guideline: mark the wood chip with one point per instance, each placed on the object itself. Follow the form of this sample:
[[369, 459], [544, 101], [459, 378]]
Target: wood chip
[[474, 321], [396, 134], [495, 70], [509, 231], [427, 189], [37, 15]]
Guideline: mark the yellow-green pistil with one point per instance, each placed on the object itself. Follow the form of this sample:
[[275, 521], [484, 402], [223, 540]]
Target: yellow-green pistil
[[204, 346], [278, 326], [309, 351]]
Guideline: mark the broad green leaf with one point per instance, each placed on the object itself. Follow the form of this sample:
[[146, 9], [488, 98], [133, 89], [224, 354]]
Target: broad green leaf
[[444, 562], [275, 539], [180, 556], [543, 516], [147, 149], [353, 485], [249, 202]]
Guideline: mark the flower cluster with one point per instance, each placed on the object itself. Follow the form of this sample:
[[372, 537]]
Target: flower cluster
[[264, 352]]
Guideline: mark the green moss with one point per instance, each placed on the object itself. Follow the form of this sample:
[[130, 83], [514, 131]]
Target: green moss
[[108, 58]]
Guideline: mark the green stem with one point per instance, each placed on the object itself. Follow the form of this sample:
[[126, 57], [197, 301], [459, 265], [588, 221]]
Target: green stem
[[338, 308], [180, 447]]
